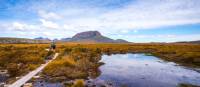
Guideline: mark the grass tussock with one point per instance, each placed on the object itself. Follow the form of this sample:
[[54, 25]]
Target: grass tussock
[[78, 83], [77, 63], [82, 60], [19, 59]]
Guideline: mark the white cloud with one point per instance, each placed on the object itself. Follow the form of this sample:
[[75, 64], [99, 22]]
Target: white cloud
[[124, 31], [49, 24], [18, 26], [48, 15], [141, 14], [67, 20], [147, 14], [47, 33]]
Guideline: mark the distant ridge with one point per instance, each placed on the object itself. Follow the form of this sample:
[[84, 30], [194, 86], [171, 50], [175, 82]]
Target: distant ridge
[[41, 38], [88, 36], [92, 36], [192, 42], [11, 40]]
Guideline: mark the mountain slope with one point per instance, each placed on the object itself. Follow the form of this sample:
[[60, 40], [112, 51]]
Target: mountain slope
[[192, 42], [121, 41], [41, 38], [8, 40], [92, 36]]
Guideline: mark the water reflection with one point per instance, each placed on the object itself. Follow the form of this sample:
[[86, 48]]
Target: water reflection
[[138, 70], [134, 70], [43, 83]]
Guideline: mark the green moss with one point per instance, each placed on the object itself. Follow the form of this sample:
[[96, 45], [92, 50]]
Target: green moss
[[148, 54]]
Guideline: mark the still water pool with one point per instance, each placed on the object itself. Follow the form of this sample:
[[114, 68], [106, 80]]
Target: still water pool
[[139, 70]]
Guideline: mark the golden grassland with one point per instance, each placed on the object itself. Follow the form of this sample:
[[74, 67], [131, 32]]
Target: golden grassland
[[80, 60], [19, 59], [74, 63], [188, 54]]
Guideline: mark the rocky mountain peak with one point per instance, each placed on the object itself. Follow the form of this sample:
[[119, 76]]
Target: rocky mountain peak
[[92, 36], [41, 38], [87, 34]]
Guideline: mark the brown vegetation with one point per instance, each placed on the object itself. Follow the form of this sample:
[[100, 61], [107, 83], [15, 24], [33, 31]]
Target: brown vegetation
[[181, 53], [82, 60], [74, 63], [19, 59]]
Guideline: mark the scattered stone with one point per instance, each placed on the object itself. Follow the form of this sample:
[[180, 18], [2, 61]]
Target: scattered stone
[[28, 85]]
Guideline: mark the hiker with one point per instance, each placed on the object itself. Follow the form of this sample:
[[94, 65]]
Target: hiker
[[53, 46]]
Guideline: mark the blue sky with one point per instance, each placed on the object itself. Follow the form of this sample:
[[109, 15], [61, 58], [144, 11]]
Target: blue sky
[[133, 20]]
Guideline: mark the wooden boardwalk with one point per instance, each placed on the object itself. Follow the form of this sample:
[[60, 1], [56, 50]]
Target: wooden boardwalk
[[28, 76]]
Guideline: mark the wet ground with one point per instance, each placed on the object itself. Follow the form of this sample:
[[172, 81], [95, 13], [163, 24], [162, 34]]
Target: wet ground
[[138, 70]]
